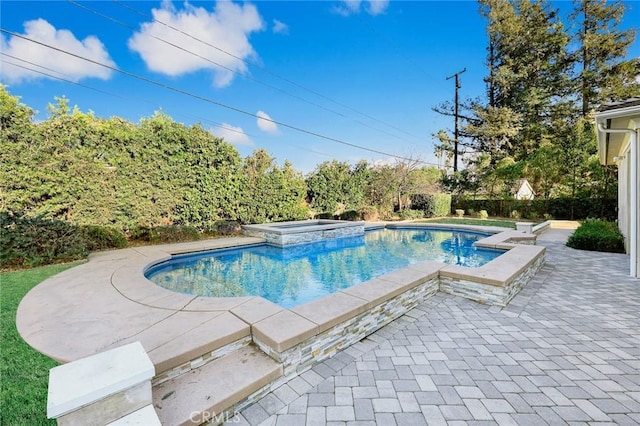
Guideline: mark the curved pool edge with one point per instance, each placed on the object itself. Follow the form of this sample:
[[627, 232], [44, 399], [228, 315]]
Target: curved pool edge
[[107, 302]]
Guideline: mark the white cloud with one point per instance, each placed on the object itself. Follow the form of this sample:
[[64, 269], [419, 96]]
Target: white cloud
[[376, 7], [266, 124], [227, 27], [233, 135], [68, 66], [280, 27], [353, 7], [348, 7]]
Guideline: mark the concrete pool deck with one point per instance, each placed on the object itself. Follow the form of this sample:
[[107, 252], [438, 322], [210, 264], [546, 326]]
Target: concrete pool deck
[[107, 302]]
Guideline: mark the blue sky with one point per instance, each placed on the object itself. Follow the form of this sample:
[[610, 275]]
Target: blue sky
[[359, 72]]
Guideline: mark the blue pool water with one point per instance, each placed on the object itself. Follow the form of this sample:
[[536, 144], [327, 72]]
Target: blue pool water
[[295, 275]]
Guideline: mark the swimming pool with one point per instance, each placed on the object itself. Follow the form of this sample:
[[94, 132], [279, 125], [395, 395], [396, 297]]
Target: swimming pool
[[294, 275]]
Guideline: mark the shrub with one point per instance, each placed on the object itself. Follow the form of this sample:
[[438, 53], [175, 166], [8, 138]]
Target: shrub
[[483, 214], [515, 214], [37, 241], [324, 215], [228, 227], [165, 234], [102, 237], [349, 215], [558, 208], [370, 214], [597, 235], [411, 214], [533, 215], [433, 205]]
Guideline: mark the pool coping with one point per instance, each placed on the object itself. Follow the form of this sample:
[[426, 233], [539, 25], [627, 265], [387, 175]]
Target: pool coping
[[107, 302]]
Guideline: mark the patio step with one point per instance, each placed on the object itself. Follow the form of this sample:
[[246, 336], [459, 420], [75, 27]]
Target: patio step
[[204, 393]]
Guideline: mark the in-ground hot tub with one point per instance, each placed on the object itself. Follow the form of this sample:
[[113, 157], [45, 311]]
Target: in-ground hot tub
[[304, 231]]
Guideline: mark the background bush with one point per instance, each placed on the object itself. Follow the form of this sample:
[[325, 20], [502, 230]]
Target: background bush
[[165, 234], [597, 235], [349, 215], [433, 205], [411, 214], [102, 237], [37, 241], [558, 208], [27, 242]]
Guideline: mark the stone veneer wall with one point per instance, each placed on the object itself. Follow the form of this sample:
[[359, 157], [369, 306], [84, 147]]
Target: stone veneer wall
[[487, 293], [286, 239], [304, 355]]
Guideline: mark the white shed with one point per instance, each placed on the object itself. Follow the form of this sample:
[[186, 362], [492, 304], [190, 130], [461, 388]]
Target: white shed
[[522, 190]]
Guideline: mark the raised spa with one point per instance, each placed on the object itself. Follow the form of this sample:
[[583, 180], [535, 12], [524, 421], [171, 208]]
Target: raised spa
[[296, 274], [302, 232]]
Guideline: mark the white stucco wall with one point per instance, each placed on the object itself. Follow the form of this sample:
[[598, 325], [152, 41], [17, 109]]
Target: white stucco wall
[[624, 203], [624, 197]]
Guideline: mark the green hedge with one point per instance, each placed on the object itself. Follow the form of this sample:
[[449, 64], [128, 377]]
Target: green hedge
[[102, 237], [433, 205], [351, 215], [165, 234], [36, 241], [411, 214], [597, 235], [29, 242], [557, 208]]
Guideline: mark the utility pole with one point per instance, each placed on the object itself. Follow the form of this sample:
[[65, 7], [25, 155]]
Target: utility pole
[[455, 132]]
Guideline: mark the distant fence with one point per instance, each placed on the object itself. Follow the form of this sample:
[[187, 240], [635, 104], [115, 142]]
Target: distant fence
[[558, 208]]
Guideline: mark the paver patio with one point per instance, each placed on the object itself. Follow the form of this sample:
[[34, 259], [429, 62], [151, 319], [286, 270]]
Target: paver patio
[[566, 350]]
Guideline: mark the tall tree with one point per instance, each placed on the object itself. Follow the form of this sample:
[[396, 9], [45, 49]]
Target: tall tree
[[604, 74], [529, 68]]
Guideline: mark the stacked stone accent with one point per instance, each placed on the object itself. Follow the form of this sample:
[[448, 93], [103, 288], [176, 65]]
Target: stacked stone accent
[[304, 355], [488, 293], [292, 233], [200, 361]]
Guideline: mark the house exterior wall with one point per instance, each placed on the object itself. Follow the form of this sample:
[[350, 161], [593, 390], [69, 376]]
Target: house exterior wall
[[624, 198], [618, 133], [624, 203], [637, 218]]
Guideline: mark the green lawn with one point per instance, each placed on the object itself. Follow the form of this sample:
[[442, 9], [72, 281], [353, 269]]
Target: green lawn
[[24, 372], [481, 222]]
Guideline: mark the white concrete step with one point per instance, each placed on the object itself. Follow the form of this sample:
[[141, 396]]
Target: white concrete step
[[145, 416], [204, 393]]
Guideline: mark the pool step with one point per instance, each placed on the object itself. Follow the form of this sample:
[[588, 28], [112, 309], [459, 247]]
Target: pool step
[[204, 393]]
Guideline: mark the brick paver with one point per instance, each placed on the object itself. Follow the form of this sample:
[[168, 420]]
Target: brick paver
[[565, 351]]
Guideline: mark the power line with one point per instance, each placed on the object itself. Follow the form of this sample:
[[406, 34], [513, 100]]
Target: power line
[[116, 21], [216, 124], [66, 80], [255, 80], [211, 101], [285, 79]]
